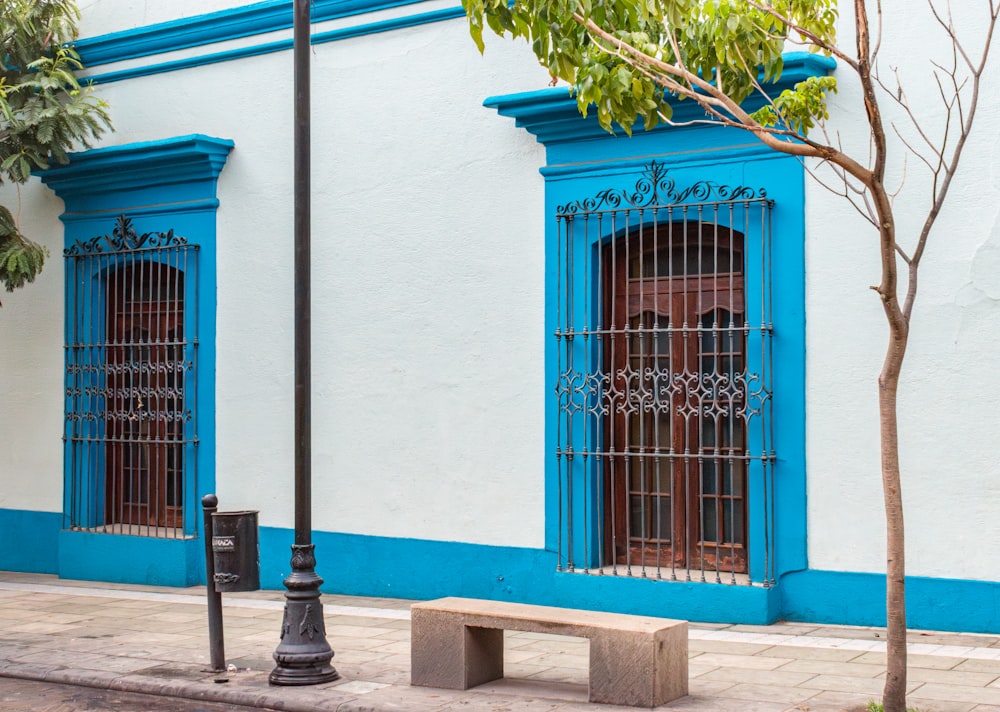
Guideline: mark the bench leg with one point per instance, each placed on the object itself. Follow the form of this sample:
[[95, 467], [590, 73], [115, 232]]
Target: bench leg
[[451, 655], [639, 670]]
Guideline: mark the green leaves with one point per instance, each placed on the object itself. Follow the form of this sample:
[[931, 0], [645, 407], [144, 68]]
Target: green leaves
[[798, 108], [626, 57], [20, 259], [44, 111]]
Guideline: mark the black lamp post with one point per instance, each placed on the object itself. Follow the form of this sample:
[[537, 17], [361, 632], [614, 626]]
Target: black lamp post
[[303, 655]]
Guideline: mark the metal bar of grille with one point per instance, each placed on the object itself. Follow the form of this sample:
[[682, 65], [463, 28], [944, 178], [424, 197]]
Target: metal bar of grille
[[131, 370], [664, 455]]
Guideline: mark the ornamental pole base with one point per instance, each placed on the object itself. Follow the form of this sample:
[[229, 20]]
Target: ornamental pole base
[[303, 655]]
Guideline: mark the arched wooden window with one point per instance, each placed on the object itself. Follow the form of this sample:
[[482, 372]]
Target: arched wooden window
[[131, 375], [145, 413], [676, 483]]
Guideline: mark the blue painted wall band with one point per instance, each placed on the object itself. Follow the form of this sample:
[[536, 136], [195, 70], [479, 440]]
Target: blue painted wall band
[[235, 23], [422, 569], [277, 46]]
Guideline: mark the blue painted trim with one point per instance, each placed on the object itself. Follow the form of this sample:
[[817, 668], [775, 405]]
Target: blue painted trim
[[87, 556], [859, 599], [29, 541], [278, 46], [161, 185], [553, 116], [138, 169], [249, 20], [583, 159], [353, 564]]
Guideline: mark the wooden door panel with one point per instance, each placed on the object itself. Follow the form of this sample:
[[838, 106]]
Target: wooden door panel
[[146, 395]]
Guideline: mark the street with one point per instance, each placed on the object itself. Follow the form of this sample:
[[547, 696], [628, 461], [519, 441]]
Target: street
[[29, 696]]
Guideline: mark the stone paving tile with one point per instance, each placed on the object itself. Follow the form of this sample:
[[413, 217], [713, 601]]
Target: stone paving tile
[[354, 657], [338, 643], [962, 639], [394, 647], [950, 677], [37, 628], [833, 667], [354, 631], [695, 670], [776, 628], [560, 691], [770, 693], [580, 662], [803, 653], [776, 678], [755, 662], [923, 705], [958, 693], [848, 632], [912, 661], [978, 666], [570, 646], [701, 687], [562, 674], [726, 646], [860, 685], [831, 700], [523, 670], [722, 704]]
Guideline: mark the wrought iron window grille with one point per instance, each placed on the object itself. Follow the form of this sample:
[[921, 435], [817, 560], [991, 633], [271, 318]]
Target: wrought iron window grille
[[131, 367], [664, 389]]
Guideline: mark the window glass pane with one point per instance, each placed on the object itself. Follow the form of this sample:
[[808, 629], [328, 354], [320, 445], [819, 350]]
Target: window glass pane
[[709, 476], [732, 521], [637, 520], [662, 518], [709, 528]]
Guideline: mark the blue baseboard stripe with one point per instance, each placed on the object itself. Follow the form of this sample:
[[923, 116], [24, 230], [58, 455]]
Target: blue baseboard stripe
[[354, 564]]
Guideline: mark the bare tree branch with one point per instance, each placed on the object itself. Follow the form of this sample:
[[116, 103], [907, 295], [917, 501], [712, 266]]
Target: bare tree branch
[[810, 36], [950, 166]]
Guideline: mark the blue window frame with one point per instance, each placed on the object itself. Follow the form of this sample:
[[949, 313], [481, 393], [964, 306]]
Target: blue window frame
[[140, 331]]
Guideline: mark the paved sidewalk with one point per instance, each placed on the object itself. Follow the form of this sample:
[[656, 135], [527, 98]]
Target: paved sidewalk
[[154, 640]]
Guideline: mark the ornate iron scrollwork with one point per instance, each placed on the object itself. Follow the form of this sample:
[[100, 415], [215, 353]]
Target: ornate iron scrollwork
[[657, 188], [124, 239]]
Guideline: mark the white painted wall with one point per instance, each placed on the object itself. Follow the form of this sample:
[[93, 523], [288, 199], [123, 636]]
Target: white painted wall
[[428, 304], [428, 287], [31, 364], [949, 386]]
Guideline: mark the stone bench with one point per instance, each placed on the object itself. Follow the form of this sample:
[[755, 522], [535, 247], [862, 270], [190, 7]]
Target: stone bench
[[457, 643]]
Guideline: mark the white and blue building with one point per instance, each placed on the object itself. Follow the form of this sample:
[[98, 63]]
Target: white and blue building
[[550, 365]]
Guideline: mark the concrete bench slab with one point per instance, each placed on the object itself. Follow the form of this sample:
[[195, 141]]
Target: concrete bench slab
[[457, 643]]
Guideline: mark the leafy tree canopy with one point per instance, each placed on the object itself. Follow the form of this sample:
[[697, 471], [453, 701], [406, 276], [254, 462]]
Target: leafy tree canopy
[[620, 55], [44, 112]]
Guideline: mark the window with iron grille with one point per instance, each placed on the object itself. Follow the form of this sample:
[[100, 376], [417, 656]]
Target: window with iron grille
[[664, 385], [130, 427]]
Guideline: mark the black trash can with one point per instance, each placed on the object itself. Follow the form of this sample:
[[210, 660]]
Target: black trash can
[[235, 551]]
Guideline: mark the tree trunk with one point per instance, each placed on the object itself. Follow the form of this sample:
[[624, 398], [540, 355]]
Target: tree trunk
[[894, 693]]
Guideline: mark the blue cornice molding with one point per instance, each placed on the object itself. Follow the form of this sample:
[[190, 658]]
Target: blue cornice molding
[[140, 169], [337, 35], [552, 115], [246, 21]]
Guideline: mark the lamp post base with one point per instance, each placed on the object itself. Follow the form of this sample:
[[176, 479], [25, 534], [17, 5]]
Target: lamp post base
[[303, 655]]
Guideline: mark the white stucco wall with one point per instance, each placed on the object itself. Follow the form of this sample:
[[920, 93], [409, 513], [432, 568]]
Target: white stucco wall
[[428, 301], [427, 282], [949, 383], [31, 364]]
